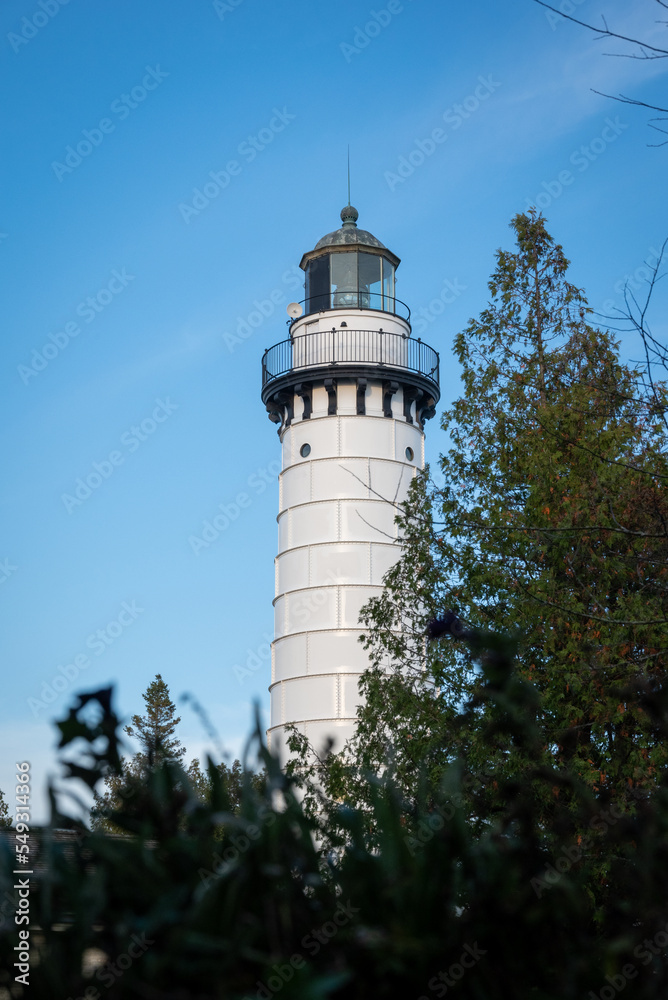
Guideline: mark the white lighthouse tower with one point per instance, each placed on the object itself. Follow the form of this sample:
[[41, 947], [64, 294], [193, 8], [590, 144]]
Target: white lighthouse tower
[[350, 390]]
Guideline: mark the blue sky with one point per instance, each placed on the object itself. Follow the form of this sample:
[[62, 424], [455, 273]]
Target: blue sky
[[166, 166]]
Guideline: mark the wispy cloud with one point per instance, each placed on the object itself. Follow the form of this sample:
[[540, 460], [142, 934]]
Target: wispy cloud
[[189, 345]]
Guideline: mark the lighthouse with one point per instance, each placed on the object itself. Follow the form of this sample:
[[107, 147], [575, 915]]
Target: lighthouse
[[350, 390]]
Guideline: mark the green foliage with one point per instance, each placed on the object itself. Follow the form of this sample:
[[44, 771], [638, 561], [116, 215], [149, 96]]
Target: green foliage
[[125, 786], [554, 514], [171, 911], [550, 525], [5, 818], [232, 779], [155, 729]]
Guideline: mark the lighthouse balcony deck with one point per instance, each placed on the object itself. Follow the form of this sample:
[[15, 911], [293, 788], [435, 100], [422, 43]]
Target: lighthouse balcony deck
[[349, 353]]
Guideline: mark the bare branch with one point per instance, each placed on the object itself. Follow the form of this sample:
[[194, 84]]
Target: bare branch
[[605, 32], [635, 316], [623, 99], [646, 52]]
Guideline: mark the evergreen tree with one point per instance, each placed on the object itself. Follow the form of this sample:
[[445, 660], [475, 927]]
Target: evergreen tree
[[5, 818], [554, 512], [155, 732], [551, 525], [155, 729]]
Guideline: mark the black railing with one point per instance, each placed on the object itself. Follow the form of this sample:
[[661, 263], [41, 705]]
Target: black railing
[[350, 347], [357, 299]]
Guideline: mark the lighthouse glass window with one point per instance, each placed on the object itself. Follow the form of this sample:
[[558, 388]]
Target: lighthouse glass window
[[317, 284], [369, 281], [344, 279], [388, 285], [350, 278]]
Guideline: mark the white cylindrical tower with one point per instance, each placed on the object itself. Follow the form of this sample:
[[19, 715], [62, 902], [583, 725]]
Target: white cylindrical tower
[[350, 390]]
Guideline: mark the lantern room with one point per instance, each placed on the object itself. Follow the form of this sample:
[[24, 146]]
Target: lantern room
[[350, 268]]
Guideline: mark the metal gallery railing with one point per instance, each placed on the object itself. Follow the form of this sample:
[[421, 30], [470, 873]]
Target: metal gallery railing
[[355, 299], [329, 348]]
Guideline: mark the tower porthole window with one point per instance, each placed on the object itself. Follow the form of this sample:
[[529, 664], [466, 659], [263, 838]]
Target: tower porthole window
[[305, 450], [410, 454]]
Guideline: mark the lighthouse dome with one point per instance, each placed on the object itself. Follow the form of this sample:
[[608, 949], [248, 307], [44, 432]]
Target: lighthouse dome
[[349, 233]]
